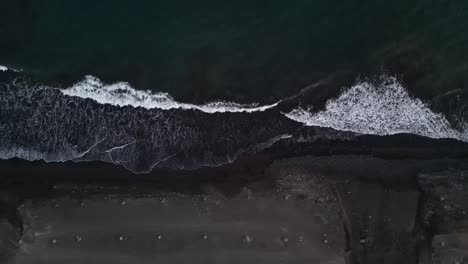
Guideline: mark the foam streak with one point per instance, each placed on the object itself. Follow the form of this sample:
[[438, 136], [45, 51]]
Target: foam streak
[[122, 94]]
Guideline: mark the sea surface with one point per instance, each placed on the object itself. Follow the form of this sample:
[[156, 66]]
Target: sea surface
[[305, 131], [191, 84]]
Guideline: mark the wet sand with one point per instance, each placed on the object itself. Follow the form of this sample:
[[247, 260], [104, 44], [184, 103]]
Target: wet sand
[[328, 209]]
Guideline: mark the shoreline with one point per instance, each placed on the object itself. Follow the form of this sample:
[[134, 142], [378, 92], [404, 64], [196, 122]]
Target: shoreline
[[346, 189]]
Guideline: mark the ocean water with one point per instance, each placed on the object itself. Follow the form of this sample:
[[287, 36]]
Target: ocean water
[[242, 50], [186, 84]]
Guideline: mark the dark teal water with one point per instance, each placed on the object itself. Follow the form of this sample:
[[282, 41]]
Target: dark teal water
[[245, 51]]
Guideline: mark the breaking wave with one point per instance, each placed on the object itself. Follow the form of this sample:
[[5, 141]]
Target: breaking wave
[[140, 130], [383, 109], [44, 123], [5, 68], [122, 94]]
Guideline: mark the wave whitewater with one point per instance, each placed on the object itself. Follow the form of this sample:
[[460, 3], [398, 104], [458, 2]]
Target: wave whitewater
[[122, 94], [141, 130], [383, 109], [5, 68], [44, 123]]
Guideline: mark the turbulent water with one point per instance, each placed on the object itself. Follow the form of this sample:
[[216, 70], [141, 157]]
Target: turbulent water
[[41, 122], [141, 130], [122, 94], [385, 108], [182, 85]]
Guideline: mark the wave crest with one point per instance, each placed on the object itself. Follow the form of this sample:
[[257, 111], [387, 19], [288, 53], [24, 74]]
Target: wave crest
[[122, 94], [383, 109]]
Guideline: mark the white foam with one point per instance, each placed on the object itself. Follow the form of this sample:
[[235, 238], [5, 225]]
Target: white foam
[[67, 154], [122, 94], [383, 109], [3, 68]]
